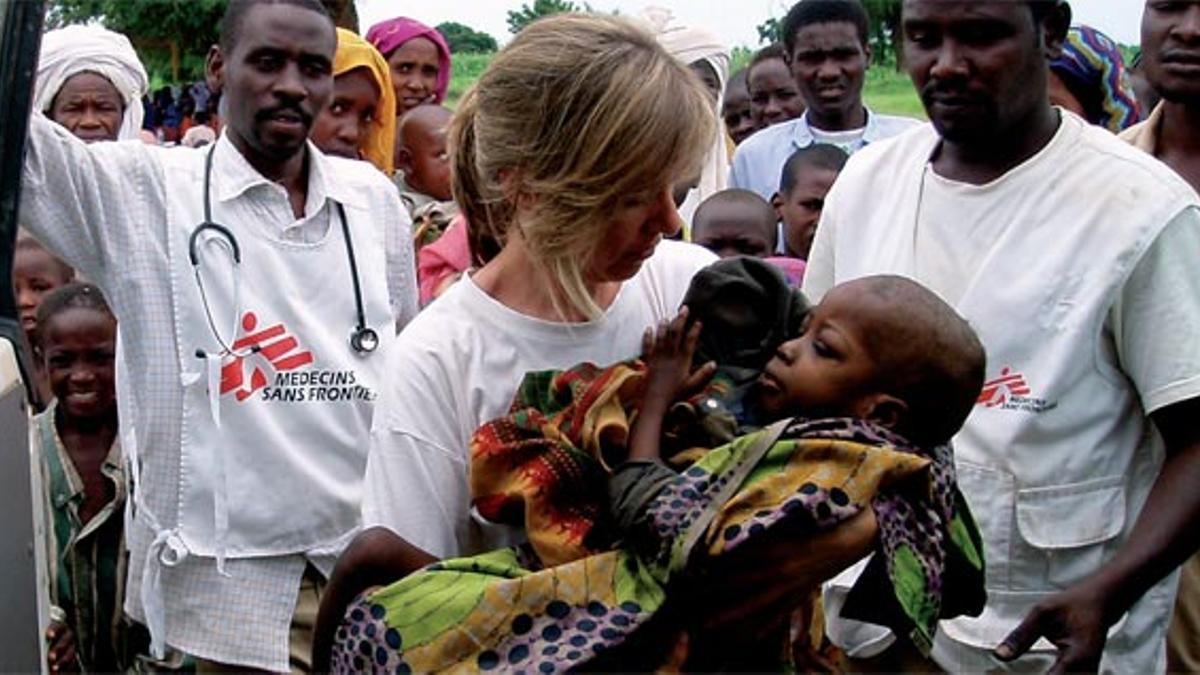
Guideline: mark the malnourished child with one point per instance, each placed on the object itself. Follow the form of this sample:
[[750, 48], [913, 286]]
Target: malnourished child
[[618, 563]]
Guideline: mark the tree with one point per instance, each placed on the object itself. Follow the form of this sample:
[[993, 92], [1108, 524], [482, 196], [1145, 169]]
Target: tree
[[518, 19], [466, 40], [172, 35], [885, 37], [768, 32], [161, 30]]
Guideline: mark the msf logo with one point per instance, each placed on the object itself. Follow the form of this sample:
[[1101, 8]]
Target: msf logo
[[1011, 391], [272, 350]]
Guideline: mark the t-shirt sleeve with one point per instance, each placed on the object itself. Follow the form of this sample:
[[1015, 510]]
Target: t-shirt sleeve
[[1157, 315], [416, 476]]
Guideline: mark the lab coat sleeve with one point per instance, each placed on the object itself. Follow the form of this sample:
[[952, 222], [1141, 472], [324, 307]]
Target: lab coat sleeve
[[91, 205], [401, 262]]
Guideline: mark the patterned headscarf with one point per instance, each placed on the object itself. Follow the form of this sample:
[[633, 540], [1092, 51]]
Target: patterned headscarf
[[388, 36], [355, 52], [1093, 69], [68, 51]]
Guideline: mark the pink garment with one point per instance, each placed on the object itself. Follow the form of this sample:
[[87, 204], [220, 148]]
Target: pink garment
[[444, 258], [792, 268], [387, 36]]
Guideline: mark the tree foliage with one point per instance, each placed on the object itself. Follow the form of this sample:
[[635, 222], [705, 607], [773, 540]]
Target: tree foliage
[[163, 31], [172, 36], [518, 19], [466, 40]]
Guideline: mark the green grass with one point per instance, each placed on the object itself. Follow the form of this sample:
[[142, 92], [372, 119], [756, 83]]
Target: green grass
[[892, 93], [886, 91]]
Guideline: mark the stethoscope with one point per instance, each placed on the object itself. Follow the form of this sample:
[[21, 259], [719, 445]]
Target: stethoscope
[[363, 339]]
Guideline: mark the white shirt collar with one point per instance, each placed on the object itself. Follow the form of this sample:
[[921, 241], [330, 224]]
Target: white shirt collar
[[233, 175]]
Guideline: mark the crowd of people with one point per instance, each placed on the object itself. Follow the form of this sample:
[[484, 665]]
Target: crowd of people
[[626, 362]]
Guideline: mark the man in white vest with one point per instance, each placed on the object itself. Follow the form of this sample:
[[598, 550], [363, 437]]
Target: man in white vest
[[1171, 65], [1073, 256], [257, 285]]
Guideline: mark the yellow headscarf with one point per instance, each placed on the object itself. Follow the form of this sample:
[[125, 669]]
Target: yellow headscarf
[[355, 52]]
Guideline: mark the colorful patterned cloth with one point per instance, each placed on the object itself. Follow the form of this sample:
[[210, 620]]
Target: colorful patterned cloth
[[579, 590], [1093, 69]]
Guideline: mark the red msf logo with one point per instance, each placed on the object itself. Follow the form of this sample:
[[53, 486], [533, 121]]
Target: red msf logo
[[279, 353], [998, 392]]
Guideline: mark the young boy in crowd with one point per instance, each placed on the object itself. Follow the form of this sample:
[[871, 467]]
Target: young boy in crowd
[[735, 108], [774, 96], [739, 222], [807, 176], [424, 165], [735, 222], [35, 273], [83, 480]]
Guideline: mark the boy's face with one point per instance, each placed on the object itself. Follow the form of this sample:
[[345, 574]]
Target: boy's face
[[827, 371], [739, 119], [732, 229], [800, 209], [426, 164], [35, 273], [77, 350], [774, 95], [829, 63]]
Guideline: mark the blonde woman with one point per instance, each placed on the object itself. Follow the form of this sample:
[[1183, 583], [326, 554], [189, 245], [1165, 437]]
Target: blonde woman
[[567, 150]]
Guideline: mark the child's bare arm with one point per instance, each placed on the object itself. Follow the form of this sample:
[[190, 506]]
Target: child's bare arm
[[668, 353]]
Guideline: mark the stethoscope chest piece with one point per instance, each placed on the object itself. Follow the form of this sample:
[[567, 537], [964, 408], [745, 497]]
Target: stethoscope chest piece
[[364, 340]]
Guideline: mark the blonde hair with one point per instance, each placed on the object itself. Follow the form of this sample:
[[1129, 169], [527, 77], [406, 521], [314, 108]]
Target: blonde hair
[[576, 112]]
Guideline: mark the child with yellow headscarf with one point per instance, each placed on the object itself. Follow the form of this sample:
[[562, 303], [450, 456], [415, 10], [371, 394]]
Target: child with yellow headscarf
[[360, 120]]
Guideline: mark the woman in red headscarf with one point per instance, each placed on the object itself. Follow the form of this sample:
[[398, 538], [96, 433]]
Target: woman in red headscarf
[[419, 58]]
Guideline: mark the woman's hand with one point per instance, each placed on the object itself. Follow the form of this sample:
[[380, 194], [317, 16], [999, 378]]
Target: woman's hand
[[668, 353]]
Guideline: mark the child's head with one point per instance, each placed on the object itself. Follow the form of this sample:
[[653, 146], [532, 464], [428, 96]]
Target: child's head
[[422, 156], [882, 348], [774, 96], [77, 337], [807, 177], [35, 273], [735, 222], [735, 108]]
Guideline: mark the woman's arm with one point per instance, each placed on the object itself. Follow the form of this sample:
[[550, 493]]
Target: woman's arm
[[376, 557]]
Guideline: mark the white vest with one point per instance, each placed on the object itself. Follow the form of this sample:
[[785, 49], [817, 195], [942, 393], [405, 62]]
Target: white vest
[[274, 442], [1058, 456]]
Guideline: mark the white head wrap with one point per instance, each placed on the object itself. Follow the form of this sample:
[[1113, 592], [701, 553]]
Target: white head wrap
[[76, 49], [689, 45]]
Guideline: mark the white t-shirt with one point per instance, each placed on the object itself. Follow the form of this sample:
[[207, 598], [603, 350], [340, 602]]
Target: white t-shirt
[[850, 141], [458, 364], [1076, 269]]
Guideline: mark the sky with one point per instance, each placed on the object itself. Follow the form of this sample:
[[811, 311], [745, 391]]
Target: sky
[[733, 20]]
